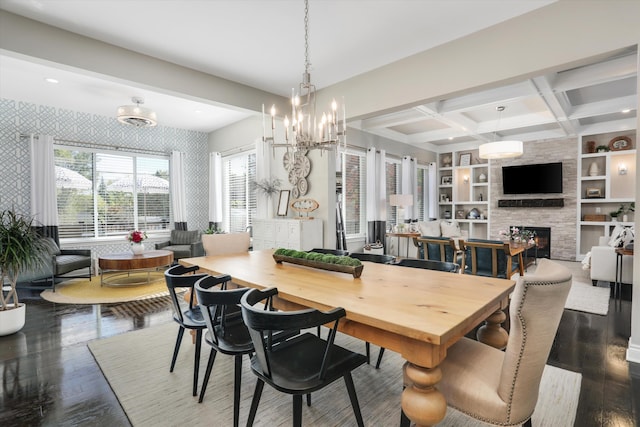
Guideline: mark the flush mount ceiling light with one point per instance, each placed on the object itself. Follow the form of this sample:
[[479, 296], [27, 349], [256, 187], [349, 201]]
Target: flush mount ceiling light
[[500, 149], [135, 115]]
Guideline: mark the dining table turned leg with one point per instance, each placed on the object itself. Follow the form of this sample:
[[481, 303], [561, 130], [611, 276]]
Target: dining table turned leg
[[422, 402], [492, 333]]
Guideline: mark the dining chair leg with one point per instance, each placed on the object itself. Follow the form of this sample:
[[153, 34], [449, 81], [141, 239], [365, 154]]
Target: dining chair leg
[[254, 402], [404, 420], [207, 374], [527, 423], [176, 349], [297, 410], [308, 399], [236, 390], [196, 361], [348, 380], [368, 350], [380, 354]]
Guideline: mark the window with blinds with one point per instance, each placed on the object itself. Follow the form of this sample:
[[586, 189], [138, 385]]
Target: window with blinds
[[101, 194], [354, 193], [239, 200], [392, 186]]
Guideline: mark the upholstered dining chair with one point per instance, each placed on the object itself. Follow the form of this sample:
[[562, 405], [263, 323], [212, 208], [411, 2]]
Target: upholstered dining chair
[[489, 258], [226, 331], [502, 387], [190, 317], [302, 364], [337, 252]]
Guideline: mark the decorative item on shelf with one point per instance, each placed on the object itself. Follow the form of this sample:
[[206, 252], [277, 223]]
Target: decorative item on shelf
[[307, 132], [465, 159], [602, 149], [447, 215], [594, 169], [624, 211], [614, 215], [500, 149], [446, 161], [136, 237], [301, 206], [460, 214], [480, 197], [446, 180], [593, 193], [482, 177], [620, 143], [591, 146], [594, 217], [473, 214]]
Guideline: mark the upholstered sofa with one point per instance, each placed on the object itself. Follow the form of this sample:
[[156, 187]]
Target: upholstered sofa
[[439, 228], [183, 244], [603, 263]]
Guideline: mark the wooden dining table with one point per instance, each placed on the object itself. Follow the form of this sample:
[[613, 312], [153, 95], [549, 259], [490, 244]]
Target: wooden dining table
[[417, 313]]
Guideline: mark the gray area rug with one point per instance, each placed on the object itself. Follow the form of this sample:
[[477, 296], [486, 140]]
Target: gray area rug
[[136, 365]]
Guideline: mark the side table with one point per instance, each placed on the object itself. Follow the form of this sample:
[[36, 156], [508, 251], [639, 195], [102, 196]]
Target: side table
[[617, 287], [408, 236]]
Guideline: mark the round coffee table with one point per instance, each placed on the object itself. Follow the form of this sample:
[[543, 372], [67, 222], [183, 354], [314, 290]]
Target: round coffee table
[[127, 263]]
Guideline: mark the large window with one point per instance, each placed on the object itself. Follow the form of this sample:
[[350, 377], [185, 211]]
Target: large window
[[353, 189], [392, 186], [101, 194], [239, 200]]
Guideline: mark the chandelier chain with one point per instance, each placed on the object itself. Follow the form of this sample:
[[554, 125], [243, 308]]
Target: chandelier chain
[[307, 64]]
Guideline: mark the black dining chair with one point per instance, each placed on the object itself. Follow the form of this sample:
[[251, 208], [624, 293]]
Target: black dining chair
[[226, 331], [190, 318], [302, 364], [428, 264], [337, 252]]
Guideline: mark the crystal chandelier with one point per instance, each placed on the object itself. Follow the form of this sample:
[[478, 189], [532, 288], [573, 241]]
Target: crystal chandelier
[[304, 131]]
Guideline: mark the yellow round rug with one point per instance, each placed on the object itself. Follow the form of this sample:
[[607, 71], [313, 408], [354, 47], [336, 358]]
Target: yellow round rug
[[83, 291]]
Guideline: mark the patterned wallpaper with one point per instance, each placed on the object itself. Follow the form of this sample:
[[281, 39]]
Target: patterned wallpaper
[[18, 117]]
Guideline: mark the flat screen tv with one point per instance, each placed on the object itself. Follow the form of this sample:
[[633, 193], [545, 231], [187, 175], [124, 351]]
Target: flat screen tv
[[537, 178]]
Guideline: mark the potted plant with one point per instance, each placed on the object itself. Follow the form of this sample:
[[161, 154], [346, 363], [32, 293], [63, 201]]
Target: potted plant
[[602, 148], [614, 215], [21, 249]]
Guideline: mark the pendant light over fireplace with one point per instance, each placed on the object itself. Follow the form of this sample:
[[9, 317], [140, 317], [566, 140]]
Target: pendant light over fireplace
[[500, 149], [137, 116]]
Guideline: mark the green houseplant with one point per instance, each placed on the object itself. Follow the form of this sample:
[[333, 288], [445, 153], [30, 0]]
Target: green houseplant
[[21, 248]]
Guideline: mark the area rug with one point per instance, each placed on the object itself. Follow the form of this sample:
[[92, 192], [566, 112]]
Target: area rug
[[136, 365], [83, 291]]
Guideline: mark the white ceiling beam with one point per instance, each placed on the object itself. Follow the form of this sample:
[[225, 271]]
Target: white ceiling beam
[[504, 94], [608, 106], [615, 69]]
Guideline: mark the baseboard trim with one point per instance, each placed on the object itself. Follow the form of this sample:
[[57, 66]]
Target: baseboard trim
[[633, 352]]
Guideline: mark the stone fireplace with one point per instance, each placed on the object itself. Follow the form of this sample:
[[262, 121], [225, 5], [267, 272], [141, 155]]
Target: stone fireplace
[[543, 240]]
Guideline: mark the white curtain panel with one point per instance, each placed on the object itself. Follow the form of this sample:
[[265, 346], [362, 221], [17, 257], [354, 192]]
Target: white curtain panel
[[44, 207], [410, 185], [376, 179], [432, 197], [215, 187], [178, 194]]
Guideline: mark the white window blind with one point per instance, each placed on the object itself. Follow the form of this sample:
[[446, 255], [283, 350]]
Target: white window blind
[[392, 184], [112, 194], [421, 199], [354, 193], [239, 200]]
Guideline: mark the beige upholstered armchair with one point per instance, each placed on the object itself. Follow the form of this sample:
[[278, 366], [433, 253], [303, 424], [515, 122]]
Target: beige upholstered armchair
[[502, 387], [183, 244]]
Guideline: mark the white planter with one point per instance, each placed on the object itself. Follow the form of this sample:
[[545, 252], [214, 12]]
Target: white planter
[[11, 321], [137, 248]]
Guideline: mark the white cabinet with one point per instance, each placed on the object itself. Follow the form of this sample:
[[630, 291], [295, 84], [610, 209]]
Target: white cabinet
[[464, 190], [300, 234], [606, 182]]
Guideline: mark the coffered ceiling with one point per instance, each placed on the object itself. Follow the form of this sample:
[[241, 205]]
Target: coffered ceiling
[[259, 43]]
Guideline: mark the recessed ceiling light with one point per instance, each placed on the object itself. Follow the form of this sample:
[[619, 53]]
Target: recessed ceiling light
[[51, 80], [626, 110]]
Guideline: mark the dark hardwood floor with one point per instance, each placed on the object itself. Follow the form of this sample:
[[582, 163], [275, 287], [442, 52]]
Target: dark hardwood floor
[[49, 377]]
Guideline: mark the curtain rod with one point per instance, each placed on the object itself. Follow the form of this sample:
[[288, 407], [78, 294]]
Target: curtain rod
[[107, 146], [235, 150]]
